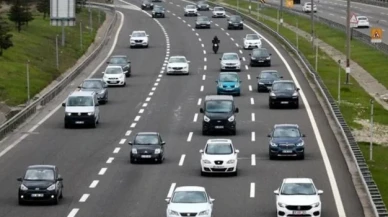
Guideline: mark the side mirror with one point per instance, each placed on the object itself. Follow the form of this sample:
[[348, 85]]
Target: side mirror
[[281, 76], [130, 143], [188, 61], [237, 151], [201, 151], [212, 200], [303, 135], [257, 77], [270, 54], [269, 135], [220, 58], [250, 54], [107, 62], [237, 110], [240, 58], [129, 62], [201, 110], [298, 89], [63, 104], [19, 179], [59, 179], [276, 192], [163, 143], [320, 192], [240, 81], [217, 82], [167, 200]]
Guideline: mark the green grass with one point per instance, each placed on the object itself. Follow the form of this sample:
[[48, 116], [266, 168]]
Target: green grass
[[36, 42]]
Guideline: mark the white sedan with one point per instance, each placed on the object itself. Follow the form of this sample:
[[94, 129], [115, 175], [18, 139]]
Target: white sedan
[[187, 200], [138, 39], [219, 156], [178, 65], [114, 76], [362, 22], [219, 12], [298, 197], [252, 41], [191, 10]]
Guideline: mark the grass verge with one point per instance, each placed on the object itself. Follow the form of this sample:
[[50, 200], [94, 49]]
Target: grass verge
[[37, 44]]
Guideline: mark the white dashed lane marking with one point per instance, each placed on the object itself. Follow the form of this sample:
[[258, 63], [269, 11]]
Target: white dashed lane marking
[[204, 52], [110, 160], [94, 184], [222, 29], [137, 118], [122, 141], [202, 45], [250, 87], [252, 191], [201, 88], [196, 34], [84, 198], [133, 125], [232, 39], [199, 101], [204, 67], [227, 33], [195, 117], [141, 111], [144, 105], [172, 187], [148, 98], [253, 136], [239, 50], [252, 101], [102, 171], [253, 159], [237, 45], [246, 67], [248, 76], [253, 117], [182, 159], [190, 137], [128, 133], [204, 59], [73, 212], [116, 150], [243, 59], [203, 77], [199, 39]]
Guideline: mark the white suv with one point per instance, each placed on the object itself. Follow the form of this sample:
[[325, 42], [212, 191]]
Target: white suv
[[219, 156], [298, 197], [191, 10], [307, 7], [114, 76], [219, 12], [139, 39]]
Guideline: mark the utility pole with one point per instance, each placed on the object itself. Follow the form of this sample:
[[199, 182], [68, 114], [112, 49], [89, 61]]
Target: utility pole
[[80, 34], [57, 51], [28, 82], [347, 40], [371, 130], [339, 82], [281, 12], [312, 22], [297, 35], [316, 55]]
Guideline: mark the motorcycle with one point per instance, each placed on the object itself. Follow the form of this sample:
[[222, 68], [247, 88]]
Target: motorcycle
[[215, 48]]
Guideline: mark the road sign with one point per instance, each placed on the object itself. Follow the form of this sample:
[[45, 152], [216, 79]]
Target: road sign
[[353, 21], [290, 3], [376, 35]]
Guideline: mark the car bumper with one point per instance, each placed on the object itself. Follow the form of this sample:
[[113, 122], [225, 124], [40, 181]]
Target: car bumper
[[186, 215], [230, 68], [146, 157], [80, 120], [158, 15], [219, 15], [252, 46], [363, 25], [284, 212], [235, 26], [284, 101], [177, 72], [138, 44], [118, 82], [283, 152], [191, 13], [27, 196], [211, 168], [212, 127], [228, 91], [202, 26], [264, 87], [260, 62]]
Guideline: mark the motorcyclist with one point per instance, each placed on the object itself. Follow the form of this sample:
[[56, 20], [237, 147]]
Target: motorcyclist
[[216, 40]]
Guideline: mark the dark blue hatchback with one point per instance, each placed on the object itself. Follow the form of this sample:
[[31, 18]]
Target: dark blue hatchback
[[286, 141]]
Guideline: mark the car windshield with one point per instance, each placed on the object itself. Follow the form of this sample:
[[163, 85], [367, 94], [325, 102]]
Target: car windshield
[[201, 3], [235, 19], [80, 101], [118, 60], [139, 34], [230, 57], [220, 148], [190, 7], [260, 52], [177, 60], [219, 9], [203, 19], [39, 175], [269, 75], [158, 9], [113, 71], [146, 2], [146, 140], [291, 132], [298, 189], [283, 86], [92, 85], [228, 78], [219, 106], [252, 37], [189, 197]]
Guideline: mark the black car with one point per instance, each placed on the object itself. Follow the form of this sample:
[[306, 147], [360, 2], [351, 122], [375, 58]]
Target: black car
[[98, 86], [286, 141], [41, 183], [285, 93], [202, 6], [235, 22], [158, 12], [260, 57], [147, 5], [147, 146], [266, 79], [123, 61], [219, 114], [202, 22]]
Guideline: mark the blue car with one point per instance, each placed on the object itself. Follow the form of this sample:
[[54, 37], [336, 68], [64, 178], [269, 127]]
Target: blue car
[[286, 141], [228, 83]]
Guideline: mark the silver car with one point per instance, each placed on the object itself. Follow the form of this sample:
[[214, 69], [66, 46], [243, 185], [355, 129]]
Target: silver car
[[230, 62], [96, 85]]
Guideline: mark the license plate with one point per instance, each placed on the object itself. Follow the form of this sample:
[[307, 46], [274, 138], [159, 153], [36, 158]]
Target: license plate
[[261, 61], [79, 122], [235, 24], [219, 127], [219, 167], [36, 195], [287, 151], [299, 212], [284, 102], [146, 156]]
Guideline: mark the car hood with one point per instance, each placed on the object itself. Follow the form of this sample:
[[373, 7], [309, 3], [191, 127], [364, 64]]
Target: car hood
[[146, 147], [139, 38], [177, 65], [122, 65], [203, 21], [214, 115], [79, 109], [230, 61], [283, 93], [112, 75], [223, 157], [188, 207], [190, 9], [38, 184], [252, 41], [286, 140], [298, 199], [228, 83]]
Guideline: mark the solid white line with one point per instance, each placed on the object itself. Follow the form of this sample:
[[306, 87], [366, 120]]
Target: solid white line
[[116, 150], [133, 125], [94, 184], [128, 133], [172, 187], [84, 198], [253, 160], [141, 111], [199, 101], [250, 87], [182, 159], [145, 104], [252, 193], [201, 88], [195, 117], [253, 117], [253, 136], [148, 99], [102, 171], [252, 101], [204, 67], [122, 141], [137, 118], [73, 212], [249, 76], [204, 59], [203, 77], [190, 136], [243, 58]]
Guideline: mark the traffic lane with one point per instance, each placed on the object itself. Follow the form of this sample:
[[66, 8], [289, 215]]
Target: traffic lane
[[357, 5], [52, 138]]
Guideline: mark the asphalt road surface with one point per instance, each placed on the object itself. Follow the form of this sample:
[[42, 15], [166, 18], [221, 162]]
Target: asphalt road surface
[[99, 180]]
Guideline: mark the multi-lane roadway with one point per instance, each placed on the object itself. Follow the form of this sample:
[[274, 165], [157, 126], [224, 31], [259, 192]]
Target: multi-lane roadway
[[98, 178]]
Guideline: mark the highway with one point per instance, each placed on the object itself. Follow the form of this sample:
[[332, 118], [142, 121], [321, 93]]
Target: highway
[[99, 180], [335, 10]]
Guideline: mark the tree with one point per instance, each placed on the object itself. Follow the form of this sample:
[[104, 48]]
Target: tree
[[43, 6], [20, 13], [5, 36]]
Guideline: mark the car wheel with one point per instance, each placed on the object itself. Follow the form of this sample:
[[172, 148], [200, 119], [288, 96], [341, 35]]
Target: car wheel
[[203, 173], [94, 124], [235, 173], [21, 202], [125, 84], [251, 65], [127, 75], [297, 105], [270, 105], [67, 125], [238, 94], [131, 160]]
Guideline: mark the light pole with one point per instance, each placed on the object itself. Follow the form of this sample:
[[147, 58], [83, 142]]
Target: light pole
[[297, 35], [57, 51], [371, 130], [347, 40], [90, 21], [277, 26], [312, 22], [316, 55], [339, 82], [28, 82], [80, 34]]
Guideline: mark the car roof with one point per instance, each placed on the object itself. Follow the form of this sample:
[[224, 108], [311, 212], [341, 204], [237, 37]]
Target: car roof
[[218, 97], [229, 53], [119, 56], [190, 188], [147, 133], [284, 81], [297, 180], [177, 57], [216, 141], [38, 166], [83, 93], [269, 70], [286, 125]]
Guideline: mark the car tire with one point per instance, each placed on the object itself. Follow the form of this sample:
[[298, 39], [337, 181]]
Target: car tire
[[271, 157], [67, 125], [301, 157], [61, 195], [296, 105], [131, 161], [238, 94], [203, 173], [271, 106], [21, 202], [251, 65], [204, 132], [127, 75], [125, 84], [235, 173]]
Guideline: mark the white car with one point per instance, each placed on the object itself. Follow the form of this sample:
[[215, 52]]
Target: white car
[[362, 22], [230, 62], [114, 76], [178, 65], [191, 10], [189, 200], [252, 41], [298, 197], [219, 156], [138, 39], [307, 7], [219, 12]]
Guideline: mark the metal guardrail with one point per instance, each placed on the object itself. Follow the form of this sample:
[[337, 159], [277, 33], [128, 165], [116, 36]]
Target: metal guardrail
[[370, 186], [28, 111]]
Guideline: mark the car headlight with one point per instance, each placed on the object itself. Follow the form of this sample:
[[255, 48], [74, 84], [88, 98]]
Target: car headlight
[[272, 94], [300, 143], [273, 144], [295, 94], [206, 119], [220, 84], [253, 58], [23, 187], [315, 204], [241, 22], [101, 92], [51, 188], [230, 22], [261, 83], [68, 114], [281, 204], [172, 212], [268, 58], [90, 113], [237, 85], [185, 67], [206, 212], [231, 161], [231, 118], [134, 151], [157, 151], [206, 161], [238, 63], [144, 4]]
